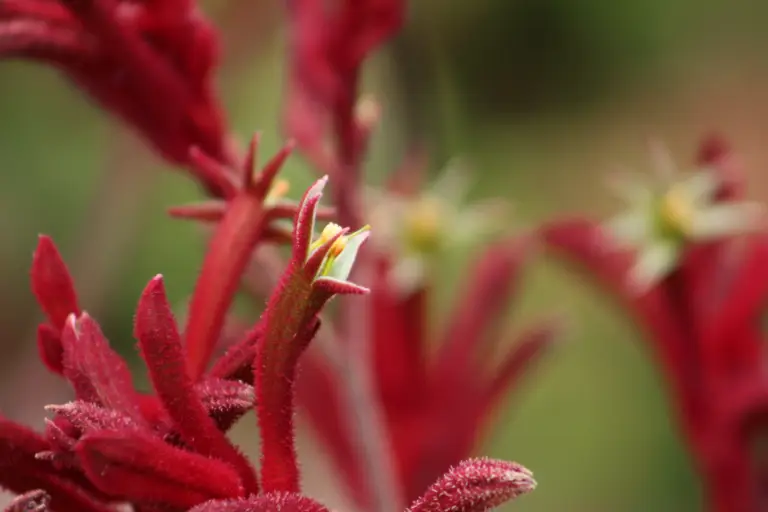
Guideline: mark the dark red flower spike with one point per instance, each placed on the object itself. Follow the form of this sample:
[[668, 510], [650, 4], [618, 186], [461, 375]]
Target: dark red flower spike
[[149, 64]]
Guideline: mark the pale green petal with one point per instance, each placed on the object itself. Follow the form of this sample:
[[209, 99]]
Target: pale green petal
[[452, 184], [653, 264], [478, 221], [726, 219], [631, 228], [700, 188], [341, 266]]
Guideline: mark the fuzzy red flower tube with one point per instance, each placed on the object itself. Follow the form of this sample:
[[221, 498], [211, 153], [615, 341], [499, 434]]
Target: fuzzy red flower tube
[[315, 273]]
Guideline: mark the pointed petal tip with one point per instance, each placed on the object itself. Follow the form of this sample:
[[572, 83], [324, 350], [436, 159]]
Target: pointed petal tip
[[290, 145], [71, 322], [316, 190], [155, 284]]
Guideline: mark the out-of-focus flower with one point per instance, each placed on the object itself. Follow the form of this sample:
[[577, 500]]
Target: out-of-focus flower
[[329, 43], [416, 227], [150, 63], [665, 217], [701, 309], [435, 408]]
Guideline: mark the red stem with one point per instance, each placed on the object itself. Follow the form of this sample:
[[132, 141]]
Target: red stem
[[228, 255], [285, 338]]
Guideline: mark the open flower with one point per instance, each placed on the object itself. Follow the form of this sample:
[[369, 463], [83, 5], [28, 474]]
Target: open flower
[[436, 406], [417, 227], [701, 311], [677, 210]]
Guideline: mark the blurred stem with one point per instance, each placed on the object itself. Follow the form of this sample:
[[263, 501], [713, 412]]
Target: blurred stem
[[349, 354], [361, 401]]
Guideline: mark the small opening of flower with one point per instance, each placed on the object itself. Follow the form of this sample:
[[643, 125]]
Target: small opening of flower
[[334, 254], [330, 230]]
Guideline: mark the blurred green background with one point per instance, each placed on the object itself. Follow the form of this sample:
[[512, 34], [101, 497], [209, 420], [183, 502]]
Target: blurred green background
[[542, 97]]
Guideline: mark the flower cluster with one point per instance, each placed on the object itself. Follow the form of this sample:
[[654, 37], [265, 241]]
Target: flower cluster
[[698, 251], [168, 450], [151, 63]]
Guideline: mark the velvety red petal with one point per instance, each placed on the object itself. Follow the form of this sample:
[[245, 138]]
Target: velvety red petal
[[161, 347], [270, 502], [52, 283], [138, 467]]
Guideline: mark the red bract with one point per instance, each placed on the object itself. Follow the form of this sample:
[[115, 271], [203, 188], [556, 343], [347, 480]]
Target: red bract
[[150, 63], [435, 408], [703, 321], [56, 295]]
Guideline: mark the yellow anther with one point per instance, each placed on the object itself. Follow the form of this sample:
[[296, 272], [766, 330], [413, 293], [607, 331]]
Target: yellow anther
[[676, 212], [330, 230], [338, 246], [424, 224], [278, 190]]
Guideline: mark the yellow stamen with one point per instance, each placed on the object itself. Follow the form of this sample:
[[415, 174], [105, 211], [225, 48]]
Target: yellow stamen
[[278, 190], [676, 211], [330, 230], [424, 224], [338, 246]]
